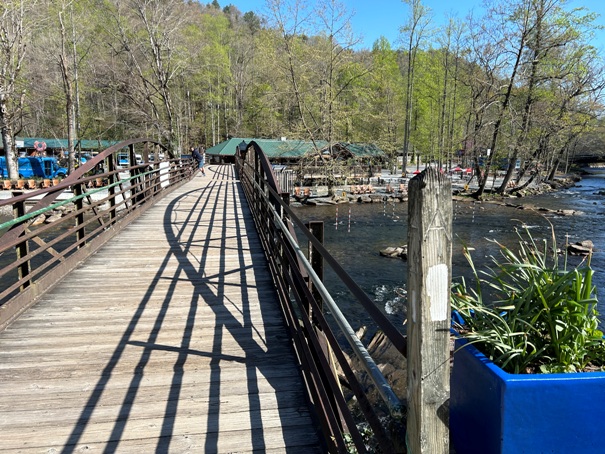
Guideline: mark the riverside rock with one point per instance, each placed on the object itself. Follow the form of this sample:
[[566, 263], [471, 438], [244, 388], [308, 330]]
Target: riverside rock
[[53, 218], [581, 248], [395, 252], [38, 220]]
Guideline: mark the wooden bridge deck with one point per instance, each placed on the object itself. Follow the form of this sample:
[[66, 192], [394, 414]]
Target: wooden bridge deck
[[169, 339]]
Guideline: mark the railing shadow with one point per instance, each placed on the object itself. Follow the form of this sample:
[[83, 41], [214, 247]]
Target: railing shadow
[[217, 234]]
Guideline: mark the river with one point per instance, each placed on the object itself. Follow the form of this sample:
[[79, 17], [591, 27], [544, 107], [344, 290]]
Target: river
[[356, 239]]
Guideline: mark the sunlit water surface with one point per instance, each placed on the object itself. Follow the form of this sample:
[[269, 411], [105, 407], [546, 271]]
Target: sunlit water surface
[[355, 233]]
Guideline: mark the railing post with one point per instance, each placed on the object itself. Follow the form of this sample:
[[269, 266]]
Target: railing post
[[22, 248], [135, 183], [111, 167], [284, 269], [315, 258], [429, 278], [317, 263], [80, 234]]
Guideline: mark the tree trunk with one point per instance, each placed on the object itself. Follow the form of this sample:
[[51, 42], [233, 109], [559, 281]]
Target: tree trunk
[[69, 98], [7, 141]]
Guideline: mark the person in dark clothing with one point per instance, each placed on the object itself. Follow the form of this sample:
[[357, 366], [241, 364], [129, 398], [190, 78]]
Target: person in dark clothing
[[200, 157]]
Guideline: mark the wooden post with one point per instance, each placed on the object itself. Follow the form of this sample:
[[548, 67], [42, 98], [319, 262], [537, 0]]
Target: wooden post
[[111, 168], [80, 232], [315, 258], [429, 278], [22, 248]]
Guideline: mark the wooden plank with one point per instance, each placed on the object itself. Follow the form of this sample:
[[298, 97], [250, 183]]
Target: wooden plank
[[270, 441], [169, 339], [237, 431]]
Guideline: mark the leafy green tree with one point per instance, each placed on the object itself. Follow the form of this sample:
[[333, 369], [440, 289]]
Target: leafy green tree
[[414, 33], [385, 105]]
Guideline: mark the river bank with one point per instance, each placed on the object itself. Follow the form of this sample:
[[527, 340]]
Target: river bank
[[356, 233], [395, 191]]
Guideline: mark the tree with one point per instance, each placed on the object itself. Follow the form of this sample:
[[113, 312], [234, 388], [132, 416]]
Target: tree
[[384, 105], [450, 59], [319, 69], [145, 36], [414, 34], [72, 35], [14, 36], [511, 33]]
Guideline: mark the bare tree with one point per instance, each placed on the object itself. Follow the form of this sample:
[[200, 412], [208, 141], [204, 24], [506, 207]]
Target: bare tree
[[292, 21], [146, 37], [14, 35], [68, 67]]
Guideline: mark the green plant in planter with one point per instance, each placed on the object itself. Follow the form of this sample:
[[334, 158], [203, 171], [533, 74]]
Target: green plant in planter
[[540, 317]]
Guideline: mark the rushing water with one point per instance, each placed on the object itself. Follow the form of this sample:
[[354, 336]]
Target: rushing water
[[355, 240]]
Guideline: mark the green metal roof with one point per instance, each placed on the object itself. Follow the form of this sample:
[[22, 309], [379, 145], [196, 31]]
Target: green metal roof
[[62, 143], [275, 148], [226, 148], [288, 148], [363, 150]]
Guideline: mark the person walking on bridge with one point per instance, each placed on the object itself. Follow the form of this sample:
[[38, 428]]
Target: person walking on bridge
[[200, 156]]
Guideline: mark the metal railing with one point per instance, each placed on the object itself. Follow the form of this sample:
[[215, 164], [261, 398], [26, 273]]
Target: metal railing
[[55, 228], [303, 298]]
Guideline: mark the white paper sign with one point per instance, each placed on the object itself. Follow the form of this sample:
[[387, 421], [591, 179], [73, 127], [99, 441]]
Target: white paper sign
[[437, 289]]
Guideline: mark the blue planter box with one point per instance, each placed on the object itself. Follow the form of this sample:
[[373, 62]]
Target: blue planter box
[[493, 412]]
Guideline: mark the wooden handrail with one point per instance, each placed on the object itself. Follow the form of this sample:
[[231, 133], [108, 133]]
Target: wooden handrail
[[303, 296]]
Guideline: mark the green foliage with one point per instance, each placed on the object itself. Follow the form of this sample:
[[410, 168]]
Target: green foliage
[[529, 314], [199, 72]]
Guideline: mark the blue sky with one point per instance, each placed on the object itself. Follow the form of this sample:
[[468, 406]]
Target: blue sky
[[375, 18]]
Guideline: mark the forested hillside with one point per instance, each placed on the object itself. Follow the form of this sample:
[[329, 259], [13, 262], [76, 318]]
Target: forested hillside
[[522, 81]]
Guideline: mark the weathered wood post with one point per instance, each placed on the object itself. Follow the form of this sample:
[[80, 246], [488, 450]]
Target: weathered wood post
[[429, 278], [113, 177], [80, 231], [22, 248]]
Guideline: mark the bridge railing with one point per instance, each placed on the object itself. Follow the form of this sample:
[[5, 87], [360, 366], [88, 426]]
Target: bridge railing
[[45, 233], [305, 302]]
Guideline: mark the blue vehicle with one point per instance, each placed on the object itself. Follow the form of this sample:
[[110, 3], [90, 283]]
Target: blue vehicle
[[124, 160], [34, 166]]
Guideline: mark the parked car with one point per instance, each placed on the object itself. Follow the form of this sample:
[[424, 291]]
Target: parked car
[[124, 161]]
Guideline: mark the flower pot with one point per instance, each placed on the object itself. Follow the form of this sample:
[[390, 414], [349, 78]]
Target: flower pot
[[56, 181], [46, 183], [8, 184], [492, 411], [31, 184], [20, 184]]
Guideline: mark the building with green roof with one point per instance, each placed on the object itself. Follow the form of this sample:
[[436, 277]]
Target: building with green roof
[[291, 151]]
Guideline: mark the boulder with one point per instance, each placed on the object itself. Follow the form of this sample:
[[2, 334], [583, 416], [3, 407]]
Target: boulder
[[38, 220], [53, 218], [322, 201], [581, 248], [395, 252]]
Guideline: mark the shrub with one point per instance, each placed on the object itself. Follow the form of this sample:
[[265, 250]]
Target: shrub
[[541, 317]]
